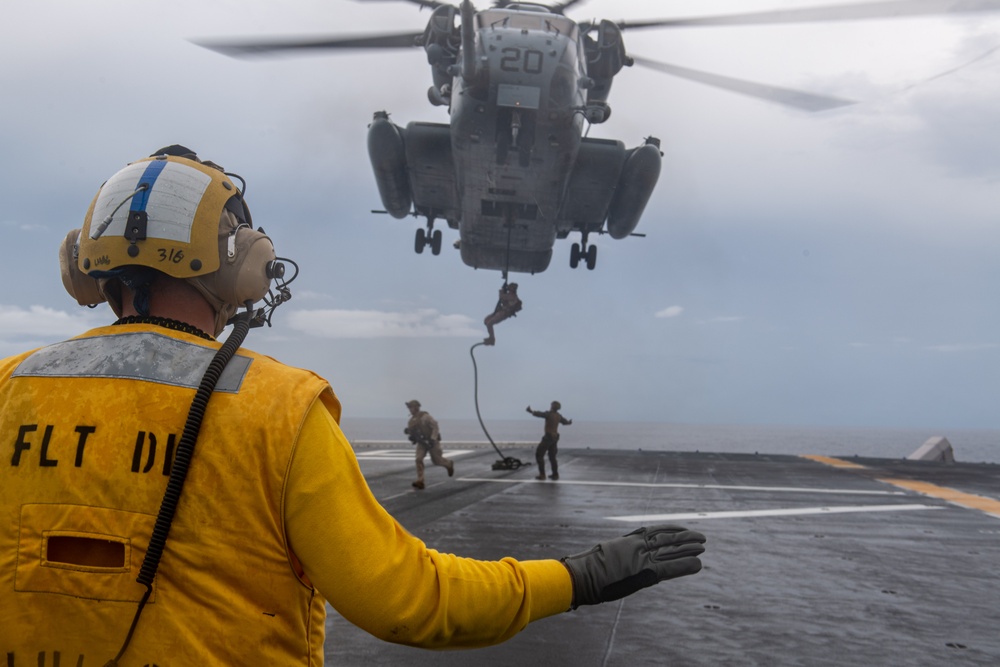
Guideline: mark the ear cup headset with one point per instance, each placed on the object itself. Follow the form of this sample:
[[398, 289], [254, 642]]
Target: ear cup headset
[[186, 219], [80, 286]]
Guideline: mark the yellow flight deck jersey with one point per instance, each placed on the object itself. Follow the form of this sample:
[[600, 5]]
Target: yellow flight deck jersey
[[274, 520]]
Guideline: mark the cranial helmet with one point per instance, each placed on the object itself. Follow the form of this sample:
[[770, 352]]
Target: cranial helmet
[[180, 216]]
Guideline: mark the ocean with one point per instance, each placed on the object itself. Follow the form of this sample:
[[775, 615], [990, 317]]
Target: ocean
[[969, 445]]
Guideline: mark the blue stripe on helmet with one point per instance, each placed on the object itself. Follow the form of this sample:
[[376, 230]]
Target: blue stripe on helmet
[[148, 178]]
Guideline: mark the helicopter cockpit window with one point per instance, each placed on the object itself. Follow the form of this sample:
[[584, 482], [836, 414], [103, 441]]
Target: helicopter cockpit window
[[513, 20], [561, 26], [557, 25]]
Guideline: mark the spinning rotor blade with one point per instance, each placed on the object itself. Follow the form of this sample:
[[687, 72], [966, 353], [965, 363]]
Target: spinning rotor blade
[[423, 3], [563, 6], [387, 41], [559, 8], [785, 96], [866, 10]]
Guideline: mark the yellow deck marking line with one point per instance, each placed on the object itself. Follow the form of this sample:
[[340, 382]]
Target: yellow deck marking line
[[989, 506], [830, 461], [969, 500]]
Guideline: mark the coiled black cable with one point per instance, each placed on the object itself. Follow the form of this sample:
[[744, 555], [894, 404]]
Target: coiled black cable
[[505, 462], [179, 470]]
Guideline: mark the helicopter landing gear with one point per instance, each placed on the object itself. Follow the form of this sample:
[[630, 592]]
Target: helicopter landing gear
[[580, 251], [427, 237]]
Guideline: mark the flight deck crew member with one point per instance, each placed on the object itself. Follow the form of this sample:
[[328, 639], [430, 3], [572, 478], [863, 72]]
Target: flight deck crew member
[[550, 440], [269, 517], [425, 434]]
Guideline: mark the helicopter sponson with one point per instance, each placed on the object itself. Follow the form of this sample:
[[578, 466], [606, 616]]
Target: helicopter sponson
[[635, 185], [388, 158]]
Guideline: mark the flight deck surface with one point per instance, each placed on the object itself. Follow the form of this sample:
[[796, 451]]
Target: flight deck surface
[[809, 561]]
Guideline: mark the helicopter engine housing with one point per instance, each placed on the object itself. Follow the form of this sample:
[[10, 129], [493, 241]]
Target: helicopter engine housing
[[387, 153], [638, 178]]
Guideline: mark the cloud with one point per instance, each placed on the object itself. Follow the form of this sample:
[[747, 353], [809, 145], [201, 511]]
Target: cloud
[[672, 311], [42, 323], [427, 322], [24, 226], [312, 295], [963, 347]]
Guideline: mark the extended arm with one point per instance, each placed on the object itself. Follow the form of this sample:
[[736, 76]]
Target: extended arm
[[386, 581]]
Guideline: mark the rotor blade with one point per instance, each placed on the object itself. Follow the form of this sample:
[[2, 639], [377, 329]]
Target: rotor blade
[[785, 96], [243, 49], [563, 6], [866, 10], [559, 8], [423, 3], [957, 68]]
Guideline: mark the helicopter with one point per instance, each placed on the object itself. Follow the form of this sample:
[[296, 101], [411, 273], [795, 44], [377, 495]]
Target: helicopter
[[515, 169]]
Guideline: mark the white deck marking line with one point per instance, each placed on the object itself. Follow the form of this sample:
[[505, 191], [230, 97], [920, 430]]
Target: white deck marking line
[[788, 489], [798, 511], [411, 491], [400, 455]]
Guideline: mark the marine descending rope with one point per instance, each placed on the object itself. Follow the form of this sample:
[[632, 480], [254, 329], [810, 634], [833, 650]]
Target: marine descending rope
[[505, 462]]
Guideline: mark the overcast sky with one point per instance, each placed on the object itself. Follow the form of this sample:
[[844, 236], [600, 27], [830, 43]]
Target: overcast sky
[[838, 268]]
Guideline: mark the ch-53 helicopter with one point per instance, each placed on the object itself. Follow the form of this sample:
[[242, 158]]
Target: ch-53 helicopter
[[514, 170]]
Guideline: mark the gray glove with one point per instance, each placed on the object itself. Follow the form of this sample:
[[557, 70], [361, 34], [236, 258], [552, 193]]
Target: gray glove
[[624, 565]]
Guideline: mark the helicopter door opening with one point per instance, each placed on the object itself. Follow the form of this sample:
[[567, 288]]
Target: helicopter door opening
[[518, 106]]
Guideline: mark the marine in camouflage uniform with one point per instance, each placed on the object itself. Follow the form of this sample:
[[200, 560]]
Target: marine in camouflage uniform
[[550, 441], [508, 305], [424, 433]]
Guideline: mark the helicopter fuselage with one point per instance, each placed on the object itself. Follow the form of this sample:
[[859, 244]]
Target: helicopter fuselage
[[512, 171], [515, 133]]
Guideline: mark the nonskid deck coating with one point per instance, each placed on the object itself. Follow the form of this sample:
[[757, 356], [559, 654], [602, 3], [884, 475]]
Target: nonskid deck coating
[[808, 562]]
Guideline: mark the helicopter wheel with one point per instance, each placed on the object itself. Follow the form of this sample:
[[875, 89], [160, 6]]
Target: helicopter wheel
[[436, 242], [591, 257], [420, 241], [574, 256]]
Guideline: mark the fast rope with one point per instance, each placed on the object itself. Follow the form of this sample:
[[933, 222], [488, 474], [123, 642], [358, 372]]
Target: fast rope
[[505, 462], [509, 218]]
